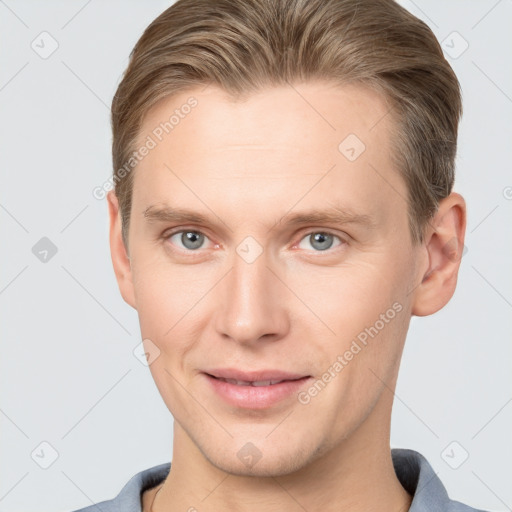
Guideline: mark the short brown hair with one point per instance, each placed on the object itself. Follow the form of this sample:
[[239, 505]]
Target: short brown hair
[[245, 45]]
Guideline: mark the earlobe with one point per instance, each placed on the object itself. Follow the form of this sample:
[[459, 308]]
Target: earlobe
[[444, 244], [119, 253]]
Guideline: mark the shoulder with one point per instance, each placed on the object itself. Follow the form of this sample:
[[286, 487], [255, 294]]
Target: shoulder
[[129, 498], [422, 483]]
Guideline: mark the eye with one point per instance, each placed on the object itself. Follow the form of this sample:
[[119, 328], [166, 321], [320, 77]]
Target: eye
[[189, 239], [320, 240], [192, 240]]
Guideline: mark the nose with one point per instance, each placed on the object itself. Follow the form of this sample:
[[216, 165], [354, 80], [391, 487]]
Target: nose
[[251, 303]]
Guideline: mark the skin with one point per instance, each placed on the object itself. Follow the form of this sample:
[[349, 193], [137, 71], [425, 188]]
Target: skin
[[247, 166]]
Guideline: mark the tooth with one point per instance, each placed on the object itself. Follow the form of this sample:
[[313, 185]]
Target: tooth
[[261, 383], [249, 383], [237, 382], [265, 382]]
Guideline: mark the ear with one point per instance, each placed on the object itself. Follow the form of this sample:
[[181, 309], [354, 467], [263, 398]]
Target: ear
[[444, 245], [119, 253]]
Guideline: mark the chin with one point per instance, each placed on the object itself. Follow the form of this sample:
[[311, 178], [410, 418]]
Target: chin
[[269, 466], [272, 460]]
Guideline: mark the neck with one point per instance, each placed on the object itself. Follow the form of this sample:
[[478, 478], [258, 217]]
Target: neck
[[356, 475]]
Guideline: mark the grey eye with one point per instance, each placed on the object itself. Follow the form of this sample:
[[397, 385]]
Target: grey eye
[[319, 240], [190, 239]]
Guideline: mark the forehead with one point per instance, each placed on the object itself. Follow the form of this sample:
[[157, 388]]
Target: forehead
[[331, 139], [320, 108]]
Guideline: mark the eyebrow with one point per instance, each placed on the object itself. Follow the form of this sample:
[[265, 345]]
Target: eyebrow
[[330, 215]]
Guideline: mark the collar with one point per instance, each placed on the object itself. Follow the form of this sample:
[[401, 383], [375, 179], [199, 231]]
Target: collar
[[412, 470]]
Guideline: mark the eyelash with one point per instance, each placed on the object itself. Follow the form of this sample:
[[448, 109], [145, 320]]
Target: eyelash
[[167, 235]]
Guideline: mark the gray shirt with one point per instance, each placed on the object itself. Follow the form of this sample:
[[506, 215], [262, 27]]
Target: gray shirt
[[412, 469]]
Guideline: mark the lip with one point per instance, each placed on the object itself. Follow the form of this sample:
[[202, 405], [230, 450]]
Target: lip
[[255, 397], [253, 376]]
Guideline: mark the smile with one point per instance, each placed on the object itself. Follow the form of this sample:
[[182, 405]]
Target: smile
[[255, 393]]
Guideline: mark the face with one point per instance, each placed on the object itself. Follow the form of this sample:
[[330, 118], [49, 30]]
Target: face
[[269, 241]]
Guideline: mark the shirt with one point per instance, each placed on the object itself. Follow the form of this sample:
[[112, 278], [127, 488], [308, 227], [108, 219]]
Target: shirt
[[412, 470]]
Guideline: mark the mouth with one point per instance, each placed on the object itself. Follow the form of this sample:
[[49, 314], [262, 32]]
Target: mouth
[[255, 390], [252, 383], [268, 375]]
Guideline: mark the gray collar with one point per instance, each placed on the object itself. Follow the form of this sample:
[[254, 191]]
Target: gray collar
[[412, 470]]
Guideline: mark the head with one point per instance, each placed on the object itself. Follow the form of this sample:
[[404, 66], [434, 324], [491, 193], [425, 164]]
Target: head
[[283, 200]]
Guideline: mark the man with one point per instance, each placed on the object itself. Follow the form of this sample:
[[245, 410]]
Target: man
[[283, 205]]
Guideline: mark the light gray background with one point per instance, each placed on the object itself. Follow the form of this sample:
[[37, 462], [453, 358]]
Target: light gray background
[[68, 374]]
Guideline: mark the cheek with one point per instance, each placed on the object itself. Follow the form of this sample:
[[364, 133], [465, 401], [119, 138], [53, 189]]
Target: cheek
[[347, 299], [165, 292], [170, 384], [365, 308], [363, 356], [170, 301]]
